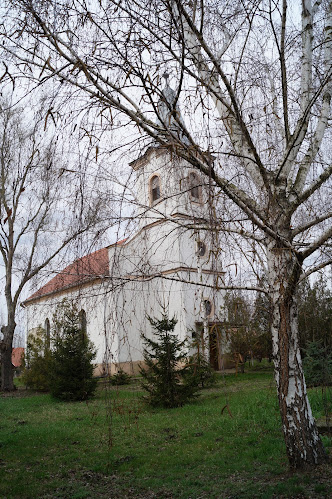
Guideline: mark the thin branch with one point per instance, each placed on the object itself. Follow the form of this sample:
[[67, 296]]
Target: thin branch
[[185, 281], [283, 69], [317, 244], [314, 269], [310, 224], [323, 177]]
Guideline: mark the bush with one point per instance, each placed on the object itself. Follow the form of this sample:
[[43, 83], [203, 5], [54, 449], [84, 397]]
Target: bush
[[120, 378], [315, 313], [163, 378], [199, 371], [71, 377], [318, 364], [37, 362]]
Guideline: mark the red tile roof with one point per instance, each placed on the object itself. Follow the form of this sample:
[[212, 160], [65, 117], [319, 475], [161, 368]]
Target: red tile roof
[[83, 270], [17, 354]]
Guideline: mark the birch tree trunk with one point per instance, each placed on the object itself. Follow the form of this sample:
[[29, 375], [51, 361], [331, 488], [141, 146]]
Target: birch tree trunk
[[303, 444]]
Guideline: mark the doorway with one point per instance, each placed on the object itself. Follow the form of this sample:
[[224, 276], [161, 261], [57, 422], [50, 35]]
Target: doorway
[[215, 343]]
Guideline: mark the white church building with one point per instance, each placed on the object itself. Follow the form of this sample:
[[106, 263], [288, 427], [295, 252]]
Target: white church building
[[170, 265]]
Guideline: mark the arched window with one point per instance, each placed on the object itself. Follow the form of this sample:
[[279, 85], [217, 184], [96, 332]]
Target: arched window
[[82, 319], [194, 186], [200, 248], [47, 328], [207, 308], [155, 189]]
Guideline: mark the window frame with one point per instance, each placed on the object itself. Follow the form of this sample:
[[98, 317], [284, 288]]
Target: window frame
[[204, 307], [47, 327], [82, 320], [198, 198], [153, 202], [199, 242]]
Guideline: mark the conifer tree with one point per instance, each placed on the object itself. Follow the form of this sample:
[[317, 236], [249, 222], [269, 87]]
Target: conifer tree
[[315, 314], [71, 377], [317, 364], [199, 370], [163, 377]]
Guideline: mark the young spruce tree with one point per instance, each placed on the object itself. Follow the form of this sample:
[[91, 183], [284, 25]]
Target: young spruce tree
[[163, 377], [71, 377]]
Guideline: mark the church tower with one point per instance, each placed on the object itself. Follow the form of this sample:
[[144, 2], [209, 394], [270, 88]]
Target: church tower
[[176, 249], [175, 202], [167, 186]]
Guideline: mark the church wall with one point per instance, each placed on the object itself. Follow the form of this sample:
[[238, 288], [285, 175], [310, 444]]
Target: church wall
[[133, 304], [139, 299], [90, 298], [165, 247], [116, 319], [174, 189]]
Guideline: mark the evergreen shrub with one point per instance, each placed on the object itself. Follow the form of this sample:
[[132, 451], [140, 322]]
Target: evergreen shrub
[[71, 376], [164, 375], [120, 378], [199, 371], [317, 364]]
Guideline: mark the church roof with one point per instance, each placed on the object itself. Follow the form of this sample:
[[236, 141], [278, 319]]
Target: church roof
[[17, 356], [85, 269], [144, 158]]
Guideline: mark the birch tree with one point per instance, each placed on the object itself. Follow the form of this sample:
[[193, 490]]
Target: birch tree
[[34, 202], [254, 80]]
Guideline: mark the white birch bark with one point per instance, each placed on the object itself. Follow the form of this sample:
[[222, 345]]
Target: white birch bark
[[322, 123], [304, 447]]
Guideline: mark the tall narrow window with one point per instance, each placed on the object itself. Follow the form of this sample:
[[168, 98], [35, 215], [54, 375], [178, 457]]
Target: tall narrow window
[[82, 319], [47, 334], [194, 186], [155, 188], [207, 308], [200, 248]]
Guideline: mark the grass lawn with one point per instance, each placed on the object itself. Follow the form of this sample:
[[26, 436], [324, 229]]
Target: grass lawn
[[226, 444]]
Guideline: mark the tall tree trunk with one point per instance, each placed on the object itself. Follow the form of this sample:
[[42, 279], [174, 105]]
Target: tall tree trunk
[[303, 444], [6, 346]]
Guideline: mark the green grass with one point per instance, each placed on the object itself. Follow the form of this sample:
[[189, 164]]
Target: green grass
[[228, 443]]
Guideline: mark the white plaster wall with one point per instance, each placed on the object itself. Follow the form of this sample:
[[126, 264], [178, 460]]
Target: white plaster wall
[[140, 299], [175, 196], [168, 248], [134, 303], [165, 246], [92, 300]]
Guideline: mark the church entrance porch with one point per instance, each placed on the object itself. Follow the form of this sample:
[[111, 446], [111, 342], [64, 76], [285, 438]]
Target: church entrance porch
[[213, 344]]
